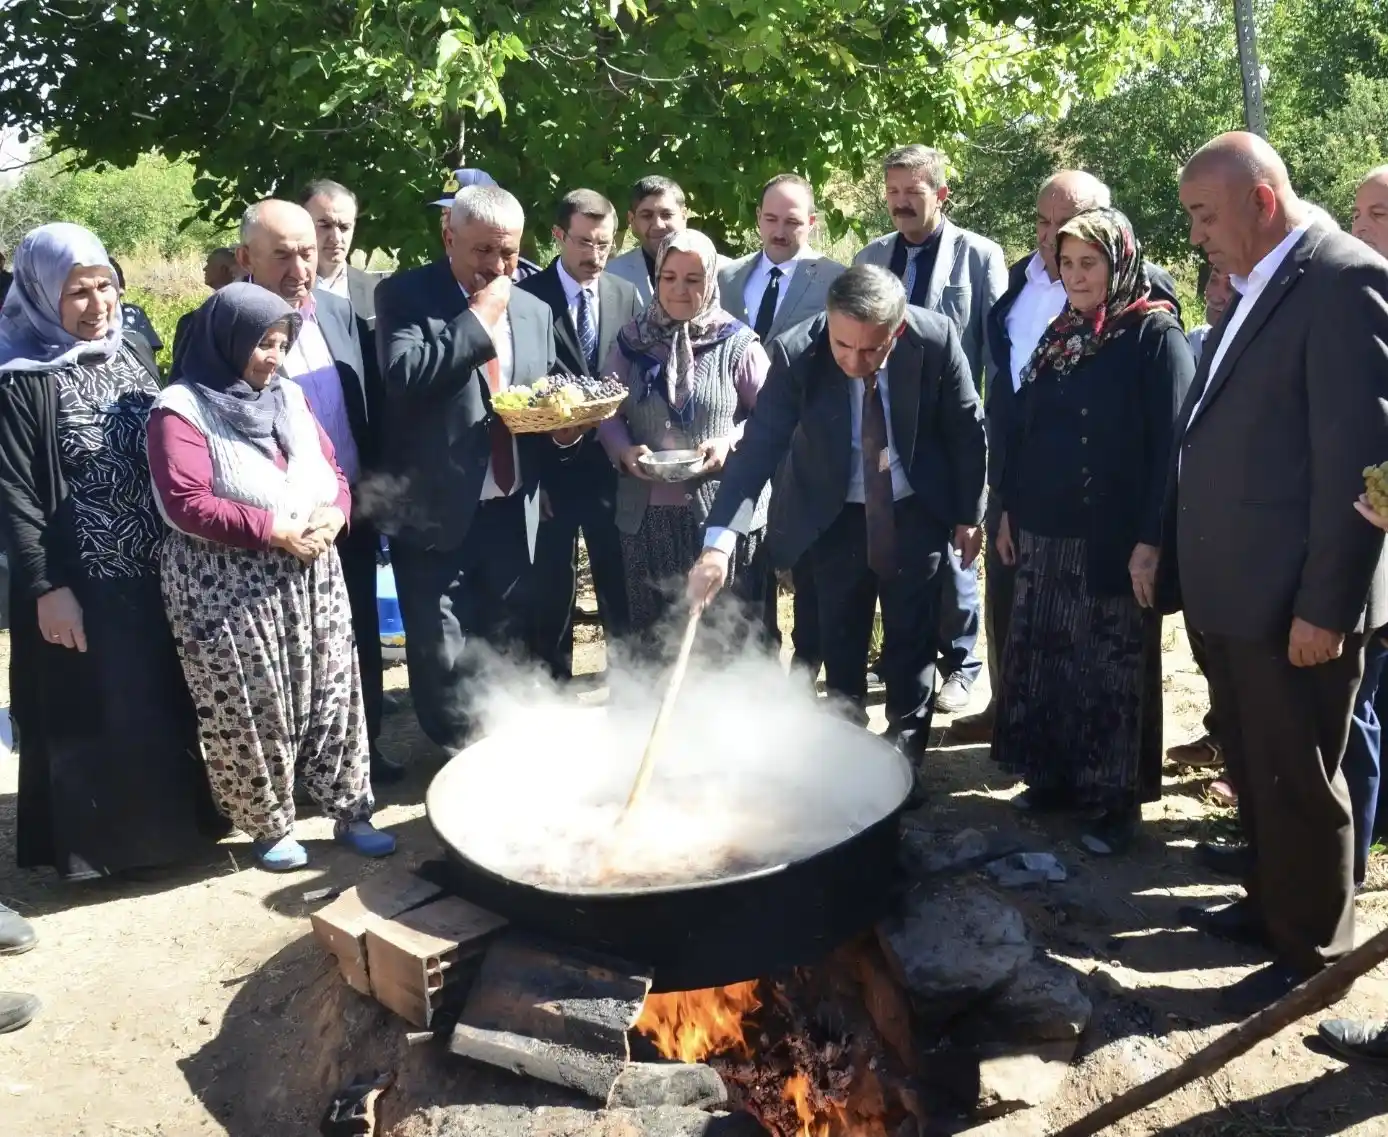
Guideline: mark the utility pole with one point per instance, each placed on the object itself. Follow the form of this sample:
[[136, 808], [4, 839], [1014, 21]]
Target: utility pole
[[1246, 31]]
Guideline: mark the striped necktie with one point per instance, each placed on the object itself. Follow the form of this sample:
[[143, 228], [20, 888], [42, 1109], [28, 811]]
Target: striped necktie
[[587, 331]]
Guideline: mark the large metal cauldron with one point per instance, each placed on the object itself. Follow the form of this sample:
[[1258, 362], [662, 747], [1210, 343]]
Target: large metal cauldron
[[703, 933]]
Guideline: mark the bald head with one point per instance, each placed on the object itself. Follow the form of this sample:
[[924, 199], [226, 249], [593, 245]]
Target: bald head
[[1063, 195], [1240, 201], [279, 249], [1369, 222]]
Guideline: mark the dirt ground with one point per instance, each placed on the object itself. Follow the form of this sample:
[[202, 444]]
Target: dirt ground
[[200, 1005]]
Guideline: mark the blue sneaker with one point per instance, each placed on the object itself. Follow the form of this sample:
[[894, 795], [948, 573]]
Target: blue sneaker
[[364, 838], [284, 855]]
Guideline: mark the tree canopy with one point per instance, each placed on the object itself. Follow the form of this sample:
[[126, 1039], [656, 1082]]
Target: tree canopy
[[389, 95]]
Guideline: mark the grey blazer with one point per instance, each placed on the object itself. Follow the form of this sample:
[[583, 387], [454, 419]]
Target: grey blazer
[[631, 267], [804, 298], [970, 274], [1260, 525]]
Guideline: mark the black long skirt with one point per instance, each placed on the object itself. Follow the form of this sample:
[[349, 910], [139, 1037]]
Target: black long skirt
[[1079, 710], [110, 770]]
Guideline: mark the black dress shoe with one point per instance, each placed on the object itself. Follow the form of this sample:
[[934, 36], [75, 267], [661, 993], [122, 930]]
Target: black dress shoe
[[1236, 923], [1226, 860], [17, 1011], [386, 771], [16, 933], [1355, 1040], [1040, 800], [1264, 987]]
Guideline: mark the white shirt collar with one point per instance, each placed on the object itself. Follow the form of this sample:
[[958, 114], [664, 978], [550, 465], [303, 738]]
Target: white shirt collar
[[1037, 274], [765, 265], [336, 284], [1263, 271], [571, 287]]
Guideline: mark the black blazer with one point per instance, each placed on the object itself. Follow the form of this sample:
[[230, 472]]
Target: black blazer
[[360, 380], [436, 438], [1260, 520], [999, 395], [1088, 453], [804, 416]]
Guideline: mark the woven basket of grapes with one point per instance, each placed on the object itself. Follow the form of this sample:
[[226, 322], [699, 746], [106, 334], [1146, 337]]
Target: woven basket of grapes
[[558, 402]]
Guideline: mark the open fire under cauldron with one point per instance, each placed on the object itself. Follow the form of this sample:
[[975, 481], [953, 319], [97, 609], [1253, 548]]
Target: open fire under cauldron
[[741, 861]]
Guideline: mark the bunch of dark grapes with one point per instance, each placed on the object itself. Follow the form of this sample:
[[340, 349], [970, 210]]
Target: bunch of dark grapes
[[594, 388], [1376, 486]]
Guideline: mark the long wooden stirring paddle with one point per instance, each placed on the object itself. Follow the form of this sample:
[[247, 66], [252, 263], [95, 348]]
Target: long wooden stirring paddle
[[662, 716]]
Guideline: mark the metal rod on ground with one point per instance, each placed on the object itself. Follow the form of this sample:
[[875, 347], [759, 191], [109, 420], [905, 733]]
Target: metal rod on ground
[[662, 716], [1314, 995]]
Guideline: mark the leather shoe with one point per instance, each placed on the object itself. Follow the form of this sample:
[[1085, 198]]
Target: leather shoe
[[1226, 860], [17, 1011], [1200, 754], [16, 933], [1235, 922], [1358, 1041], [953, 696], [972, 728], [1258, 991], [386, 771]]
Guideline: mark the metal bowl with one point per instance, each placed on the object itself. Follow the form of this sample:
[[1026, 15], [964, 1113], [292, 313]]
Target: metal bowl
[[672, 465]]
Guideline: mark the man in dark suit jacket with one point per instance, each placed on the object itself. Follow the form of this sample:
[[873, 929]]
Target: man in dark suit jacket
[[460, 499], [1274, 566], [589, 307], [279, 252], [1034, 297], [874, 410]]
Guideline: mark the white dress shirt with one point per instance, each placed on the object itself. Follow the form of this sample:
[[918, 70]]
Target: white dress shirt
[[337, 285], [725, 540], [1039, 302], [760, 277], [309, 363], [1250, 289], [504, 342], [572, 289]]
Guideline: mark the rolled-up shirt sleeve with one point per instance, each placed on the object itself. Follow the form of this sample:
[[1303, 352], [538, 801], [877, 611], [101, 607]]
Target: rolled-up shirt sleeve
[[181, 468]]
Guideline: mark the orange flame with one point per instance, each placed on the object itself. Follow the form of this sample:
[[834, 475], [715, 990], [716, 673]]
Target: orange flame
[[691, 1025], [797, 1089]]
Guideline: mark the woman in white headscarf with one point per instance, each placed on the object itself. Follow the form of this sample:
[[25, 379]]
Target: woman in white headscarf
[[693, 372], [110, 775]]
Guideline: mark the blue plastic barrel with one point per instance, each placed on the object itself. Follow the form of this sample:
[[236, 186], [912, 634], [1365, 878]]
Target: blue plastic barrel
[[388, 608]]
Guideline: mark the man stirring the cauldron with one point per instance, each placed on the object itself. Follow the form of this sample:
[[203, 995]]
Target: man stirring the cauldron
[[873, 408]]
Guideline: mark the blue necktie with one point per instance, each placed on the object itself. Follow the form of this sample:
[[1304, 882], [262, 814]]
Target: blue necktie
[[909, 280], [587, 332]]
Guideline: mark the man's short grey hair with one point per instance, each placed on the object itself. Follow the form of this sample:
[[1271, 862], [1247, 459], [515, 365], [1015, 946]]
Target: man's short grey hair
[[927, 159], [1087, 191], [491, 205], [1377, 174], [870, 294], [250, 220]]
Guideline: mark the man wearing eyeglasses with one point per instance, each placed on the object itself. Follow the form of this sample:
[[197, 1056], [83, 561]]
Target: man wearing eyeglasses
[[590, 307]]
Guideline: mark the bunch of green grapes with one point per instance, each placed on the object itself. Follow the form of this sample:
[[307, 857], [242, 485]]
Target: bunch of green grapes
[[1376, 486], [562, 399], [513, 399]]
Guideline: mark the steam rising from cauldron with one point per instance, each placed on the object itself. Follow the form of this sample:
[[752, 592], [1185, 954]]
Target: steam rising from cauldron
[[755, 772]]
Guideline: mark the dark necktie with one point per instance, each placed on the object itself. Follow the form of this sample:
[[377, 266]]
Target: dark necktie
[[503, 456], [877, 483], [766, 313], [587, 332], [908, 281]]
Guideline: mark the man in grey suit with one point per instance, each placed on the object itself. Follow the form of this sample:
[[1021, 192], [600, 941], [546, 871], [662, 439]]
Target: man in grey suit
[[772, 290], [657, 210], [874, 414], [787, 281], [333, 208], [1263, 547], [960, 275], [461, 503]]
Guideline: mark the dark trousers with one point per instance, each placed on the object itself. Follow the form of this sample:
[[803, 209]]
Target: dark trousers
[[555, 573], [999, 583], [847, 588], [1197, 651], [959, 619], [1363, 752], [357, 548], [1284, 734], [804, 636], [456, 605]]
